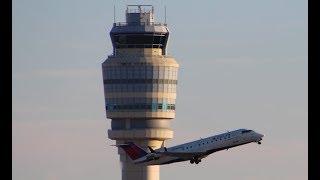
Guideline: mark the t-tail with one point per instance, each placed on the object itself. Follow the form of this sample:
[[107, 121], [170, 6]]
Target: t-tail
[[132, 150]]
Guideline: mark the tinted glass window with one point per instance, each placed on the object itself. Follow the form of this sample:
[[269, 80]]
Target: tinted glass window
[[136, 40]]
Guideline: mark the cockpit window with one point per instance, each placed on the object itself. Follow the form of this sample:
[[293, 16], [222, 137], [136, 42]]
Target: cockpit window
[[246, 131]]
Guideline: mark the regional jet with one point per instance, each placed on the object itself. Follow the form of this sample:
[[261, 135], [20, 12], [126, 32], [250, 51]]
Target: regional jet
[[192, 151]]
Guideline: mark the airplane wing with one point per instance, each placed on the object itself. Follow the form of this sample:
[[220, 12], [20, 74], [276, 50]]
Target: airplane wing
[[186, 155]]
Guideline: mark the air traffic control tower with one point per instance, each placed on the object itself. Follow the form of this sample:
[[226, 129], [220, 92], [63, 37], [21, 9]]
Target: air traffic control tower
[[140, 82]]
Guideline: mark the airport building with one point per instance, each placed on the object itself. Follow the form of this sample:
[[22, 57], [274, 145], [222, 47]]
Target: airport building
[[140, 82]]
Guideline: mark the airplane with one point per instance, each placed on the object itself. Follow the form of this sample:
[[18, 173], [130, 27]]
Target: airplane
[[192, 151]]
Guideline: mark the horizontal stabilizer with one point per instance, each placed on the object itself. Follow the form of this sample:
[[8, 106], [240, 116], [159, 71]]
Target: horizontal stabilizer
[[118, 145]]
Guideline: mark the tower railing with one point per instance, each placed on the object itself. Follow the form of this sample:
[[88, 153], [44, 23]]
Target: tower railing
[[138, 9], [139, 24], [139, 45]]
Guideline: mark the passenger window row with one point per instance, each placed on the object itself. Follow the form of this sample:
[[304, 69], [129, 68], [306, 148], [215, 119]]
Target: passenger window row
[[212, 140]]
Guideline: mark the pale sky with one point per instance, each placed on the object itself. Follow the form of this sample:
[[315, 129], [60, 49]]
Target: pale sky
[[243, 64]]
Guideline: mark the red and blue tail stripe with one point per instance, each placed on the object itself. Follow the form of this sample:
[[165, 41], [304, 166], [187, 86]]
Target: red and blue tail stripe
[[133, 151]]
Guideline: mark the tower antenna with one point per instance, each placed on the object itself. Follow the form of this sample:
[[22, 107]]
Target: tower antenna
[[165, 14], [114, 13]]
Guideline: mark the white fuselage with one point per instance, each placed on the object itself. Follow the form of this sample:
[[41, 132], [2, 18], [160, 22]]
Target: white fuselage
[[207, 146]]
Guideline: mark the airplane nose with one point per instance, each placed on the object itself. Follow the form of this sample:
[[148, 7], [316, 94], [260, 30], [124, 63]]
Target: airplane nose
[[259, 135]]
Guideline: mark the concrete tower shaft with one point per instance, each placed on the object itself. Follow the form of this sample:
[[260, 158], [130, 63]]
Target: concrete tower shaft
[[140, 83]]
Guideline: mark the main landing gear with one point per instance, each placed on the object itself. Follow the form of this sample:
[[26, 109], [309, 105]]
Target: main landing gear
[[259, 142], [195, 160]]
